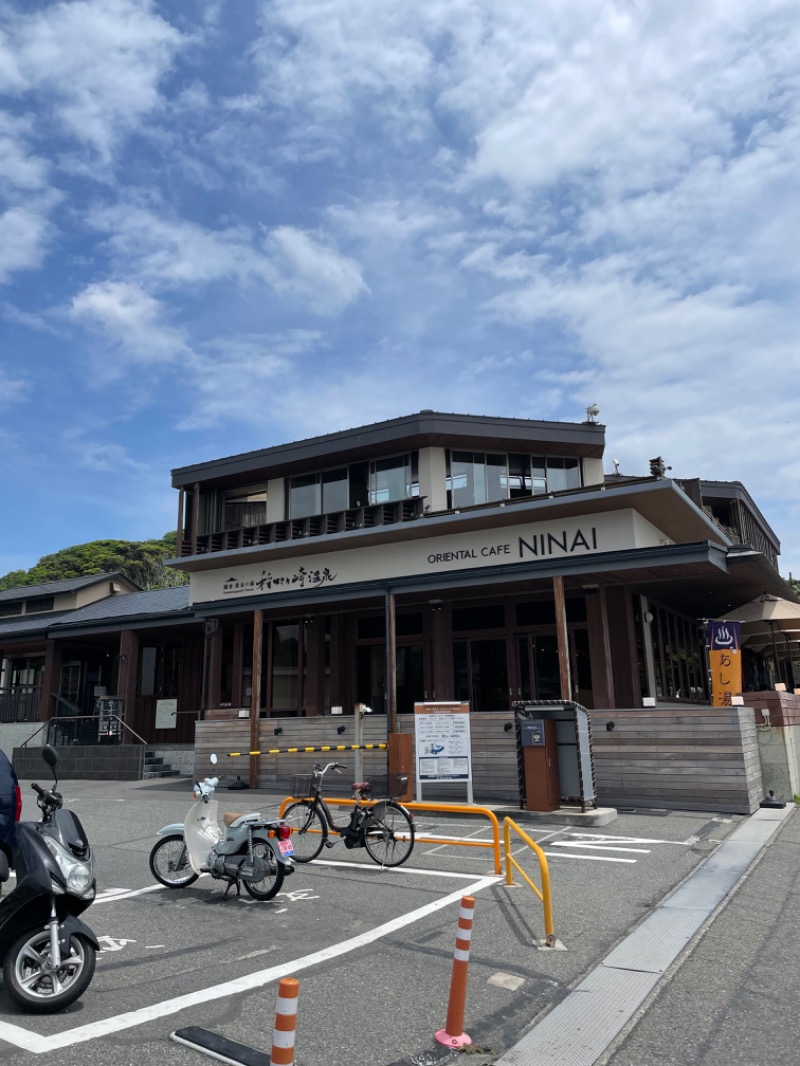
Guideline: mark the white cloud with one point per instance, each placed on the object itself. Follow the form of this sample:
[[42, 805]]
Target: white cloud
[[12, 390], [100, 61], [132, 321], [19, 170], [23, 236], [177, 252], [104, 456], [313, 272], [235, 380]]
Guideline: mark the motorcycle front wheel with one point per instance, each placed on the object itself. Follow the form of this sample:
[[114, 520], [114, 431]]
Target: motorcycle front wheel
[[169, 863], [35, 985], [270, 884]]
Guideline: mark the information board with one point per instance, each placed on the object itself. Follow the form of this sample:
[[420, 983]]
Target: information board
[[443, 744], [108, 710], [166, 714]]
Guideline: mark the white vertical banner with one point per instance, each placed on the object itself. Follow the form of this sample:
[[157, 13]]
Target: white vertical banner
[[443, 744]]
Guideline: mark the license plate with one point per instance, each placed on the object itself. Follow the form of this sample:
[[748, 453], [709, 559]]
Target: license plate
[[286, 847]]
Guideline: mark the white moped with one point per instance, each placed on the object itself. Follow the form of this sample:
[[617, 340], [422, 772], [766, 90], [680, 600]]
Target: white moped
[[251, 851]]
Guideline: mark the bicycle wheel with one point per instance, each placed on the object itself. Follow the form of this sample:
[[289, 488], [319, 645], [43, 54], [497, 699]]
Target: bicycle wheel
[[169, 863], [270, 884], [309, 831], [389, 834]]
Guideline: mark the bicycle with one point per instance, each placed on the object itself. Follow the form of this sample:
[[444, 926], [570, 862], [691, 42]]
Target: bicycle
[[383, 827]]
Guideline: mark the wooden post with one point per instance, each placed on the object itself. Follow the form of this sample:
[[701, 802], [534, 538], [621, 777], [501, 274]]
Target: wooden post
[[600, 648], [391, 665], [181, 505], [563, 639], [255, 698], [195, 515]]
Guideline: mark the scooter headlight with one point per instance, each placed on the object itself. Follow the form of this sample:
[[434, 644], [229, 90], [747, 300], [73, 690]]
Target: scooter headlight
[[78, 873]]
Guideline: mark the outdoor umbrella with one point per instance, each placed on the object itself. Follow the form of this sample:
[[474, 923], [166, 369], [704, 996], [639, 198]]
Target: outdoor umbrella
[[764, 613], [767, 608]]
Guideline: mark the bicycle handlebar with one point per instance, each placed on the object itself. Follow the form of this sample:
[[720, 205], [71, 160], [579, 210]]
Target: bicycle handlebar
[[322, 770]]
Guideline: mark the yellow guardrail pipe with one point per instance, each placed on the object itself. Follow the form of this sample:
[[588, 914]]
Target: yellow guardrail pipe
[[453, 808], [544, 894]]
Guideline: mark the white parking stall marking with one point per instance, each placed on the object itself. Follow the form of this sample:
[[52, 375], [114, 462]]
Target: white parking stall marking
[[597, 847], [585, 858], [29, 1041], [600, 837], [111, 895]]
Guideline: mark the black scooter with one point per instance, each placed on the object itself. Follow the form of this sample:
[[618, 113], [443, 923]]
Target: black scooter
[[48, 953]]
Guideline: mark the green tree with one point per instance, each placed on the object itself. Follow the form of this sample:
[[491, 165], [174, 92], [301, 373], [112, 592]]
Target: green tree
[[141, 561]]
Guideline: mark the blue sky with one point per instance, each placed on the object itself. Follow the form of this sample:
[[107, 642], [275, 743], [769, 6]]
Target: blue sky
[[227, 226]]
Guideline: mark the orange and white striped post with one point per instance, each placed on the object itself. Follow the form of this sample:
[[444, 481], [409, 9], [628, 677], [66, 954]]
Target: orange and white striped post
[[285, 1023], [453, 1034]]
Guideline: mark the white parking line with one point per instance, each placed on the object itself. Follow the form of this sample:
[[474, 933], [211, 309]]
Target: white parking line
[[584, 858], [28, 1041], [597, 847], [599, 837]]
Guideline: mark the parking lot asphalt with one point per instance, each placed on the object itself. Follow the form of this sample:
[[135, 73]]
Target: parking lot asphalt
[[371, 948]]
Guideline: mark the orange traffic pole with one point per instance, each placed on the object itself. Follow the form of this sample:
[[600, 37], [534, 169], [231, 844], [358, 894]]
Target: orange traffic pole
[[285, 1022], [453, 1034]]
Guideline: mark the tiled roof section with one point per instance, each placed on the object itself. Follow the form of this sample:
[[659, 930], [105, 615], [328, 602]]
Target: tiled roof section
[[134, 605], [52, 588], [30, 624]]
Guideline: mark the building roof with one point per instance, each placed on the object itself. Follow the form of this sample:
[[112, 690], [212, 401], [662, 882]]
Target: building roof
[[29, 625], [67, 584], [424, 429], [136, 605], [107, 614]]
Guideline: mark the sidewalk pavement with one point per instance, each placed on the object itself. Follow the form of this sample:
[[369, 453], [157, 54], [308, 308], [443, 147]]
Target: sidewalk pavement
[[710, 978]]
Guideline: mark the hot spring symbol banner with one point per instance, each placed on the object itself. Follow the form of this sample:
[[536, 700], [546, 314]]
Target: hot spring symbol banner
[[725, 661]]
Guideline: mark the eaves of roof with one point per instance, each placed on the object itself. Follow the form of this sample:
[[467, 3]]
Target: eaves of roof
[[424, 429], [68, 584]]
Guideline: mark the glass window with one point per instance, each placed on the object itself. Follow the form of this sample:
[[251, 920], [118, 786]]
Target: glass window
[[475, 477], [480, 672], [538, 475], [305, 497], [519, 476], [393, 479], [160, 671], [335, 491], [485, 616], [147, 686], [285, 661]]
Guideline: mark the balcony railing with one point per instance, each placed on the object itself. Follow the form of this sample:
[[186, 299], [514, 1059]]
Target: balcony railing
[[379, 514], [20, 703]]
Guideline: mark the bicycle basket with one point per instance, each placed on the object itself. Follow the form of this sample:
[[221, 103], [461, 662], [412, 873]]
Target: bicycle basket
[[387, 786], [302, 786]]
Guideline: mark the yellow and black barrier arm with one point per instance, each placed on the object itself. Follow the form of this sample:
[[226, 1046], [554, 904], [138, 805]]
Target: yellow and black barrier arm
[[295, 751]]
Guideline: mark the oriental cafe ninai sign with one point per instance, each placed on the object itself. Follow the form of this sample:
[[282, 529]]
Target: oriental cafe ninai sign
[[446, 553]]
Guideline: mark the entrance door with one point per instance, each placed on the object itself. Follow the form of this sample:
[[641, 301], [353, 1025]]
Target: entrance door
[[409, 671], [539, 673], [480, 670]]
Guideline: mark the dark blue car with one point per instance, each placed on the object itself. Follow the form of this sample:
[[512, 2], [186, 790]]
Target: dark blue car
[[10, 806]]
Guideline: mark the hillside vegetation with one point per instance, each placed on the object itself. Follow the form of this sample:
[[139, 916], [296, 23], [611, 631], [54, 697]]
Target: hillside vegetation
[[141, 561]]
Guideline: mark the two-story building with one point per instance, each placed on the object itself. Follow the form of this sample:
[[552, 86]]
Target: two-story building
[[441, 557], [483, 559]]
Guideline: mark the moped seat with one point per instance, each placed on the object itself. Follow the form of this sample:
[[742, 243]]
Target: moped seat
[[234, 818]]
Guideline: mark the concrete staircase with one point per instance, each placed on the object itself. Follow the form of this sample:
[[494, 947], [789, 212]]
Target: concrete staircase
[[154, 766]]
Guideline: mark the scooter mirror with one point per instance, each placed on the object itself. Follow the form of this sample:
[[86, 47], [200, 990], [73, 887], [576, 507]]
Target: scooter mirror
[[213, 759], [50, 755]]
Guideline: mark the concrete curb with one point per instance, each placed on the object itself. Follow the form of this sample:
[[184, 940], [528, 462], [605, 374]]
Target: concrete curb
[[582, 1026]]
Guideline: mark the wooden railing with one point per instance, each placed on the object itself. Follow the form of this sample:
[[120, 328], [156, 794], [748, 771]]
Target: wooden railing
[[379, 514], [20, 703]]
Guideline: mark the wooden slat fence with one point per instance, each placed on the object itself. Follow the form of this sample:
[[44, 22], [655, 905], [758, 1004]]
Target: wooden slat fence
[[675, 758]]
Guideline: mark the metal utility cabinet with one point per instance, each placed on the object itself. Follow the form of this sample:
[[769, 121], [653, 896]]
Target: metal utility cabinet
[[554, 755]]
